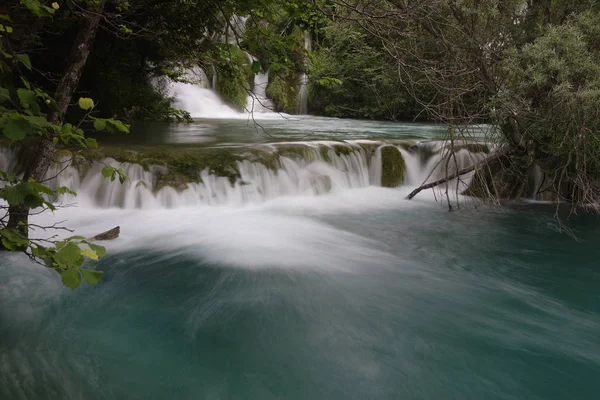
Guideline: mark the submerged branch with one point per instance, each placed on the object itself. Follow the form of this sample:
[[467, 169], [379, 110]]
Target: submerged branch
[[456, 174]]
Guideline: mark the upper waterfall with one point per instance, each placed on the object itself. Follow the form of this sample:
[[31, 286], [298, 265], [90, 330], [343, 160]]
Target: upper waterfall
[[203, 102]]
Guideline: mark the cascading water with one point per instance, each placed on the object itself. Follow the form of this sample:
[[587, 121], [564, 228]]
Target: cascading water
[[303, 93], [258, 102], [202, 101], [285, 169]]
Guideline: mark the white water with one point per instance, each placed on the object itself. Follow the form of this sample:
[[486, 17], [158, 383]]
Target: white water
[[258, 102], [306, 172], [259, 221], [303, 94]]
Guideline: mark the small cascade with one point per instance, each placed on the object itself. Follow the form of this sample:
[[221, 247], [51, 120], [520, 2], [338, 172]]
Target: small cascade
[[258, 101], [251, 175], [303, 93], [201, 102]]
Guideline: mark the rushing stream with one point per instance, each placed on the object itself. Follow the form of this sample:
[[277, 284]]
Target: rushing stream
[[305, 280]]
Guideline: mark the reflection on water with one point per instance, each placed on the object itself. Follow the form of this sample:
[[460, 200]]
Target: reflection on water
[[219, 132]]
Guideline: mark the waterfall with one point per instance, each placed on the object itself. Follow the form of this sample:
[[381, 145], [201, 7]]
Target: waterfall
[[258, 102], [201, 102], [303, 93], [282, 169]]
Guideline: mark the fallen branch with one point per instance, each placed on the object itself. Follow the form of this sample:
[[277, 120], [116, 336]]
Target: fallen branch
[[456, 174], [108, 235]]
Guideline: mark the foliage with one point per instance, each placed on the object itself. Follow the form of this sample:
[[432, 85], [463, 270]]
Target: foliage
[[350, 76], [235, 74], [554, 86], [24, 114]]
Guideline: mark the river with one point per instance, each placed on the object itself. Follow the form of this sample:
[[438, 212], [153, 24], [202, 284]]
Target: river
[[350, 293]]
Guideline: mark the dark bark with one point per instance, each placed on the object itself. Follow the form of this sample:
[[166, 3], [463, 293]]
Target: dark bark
[[40, 161]]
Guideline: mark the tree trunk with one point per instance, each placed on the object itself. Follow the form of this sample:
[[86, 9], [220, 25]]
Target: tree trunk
[[42, 157]]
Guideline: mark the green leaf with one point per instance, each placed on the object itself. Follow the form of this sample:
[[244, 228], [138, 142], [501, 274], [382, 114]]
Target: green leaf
[[41, 188], [116, 125], [99, 124], [91, 142], [26, 83], [76, 238], [9, 245], [4, 95], [28, 99], [86, 103], [24, 59], [13, 237], [256, 67], [70, 278], [22, 193], [68, 256], [15, 130], [108, 172], [89, 253], [65, 190], [9, 29], [100, 250], [92, 277]]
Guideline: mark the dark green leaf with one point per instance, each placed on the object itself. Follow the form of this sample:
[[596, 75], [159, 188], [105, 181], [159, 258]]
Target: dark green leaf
[[8, 244], [12, 239], [28, 99], [24, 59], [22, 193], [16, 129], [256, 67], [99, 124], [4, 95]]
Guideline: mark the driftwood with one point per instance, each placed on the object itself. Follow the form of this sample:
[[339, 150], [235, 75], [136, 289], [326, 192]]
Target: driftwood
[[456, 174], [108, 235]]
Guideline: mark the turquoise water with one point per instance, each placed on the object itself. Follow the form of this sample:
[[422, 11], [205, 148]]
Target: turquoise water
[[219, 132], [312, 303], [356, 294]]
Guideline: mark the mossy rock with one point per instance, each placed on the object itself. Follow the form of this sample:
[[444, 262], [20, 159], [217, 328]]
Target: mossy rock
[[178, 182], [344, 149], [186, 162], [292, 150], [393, 167]]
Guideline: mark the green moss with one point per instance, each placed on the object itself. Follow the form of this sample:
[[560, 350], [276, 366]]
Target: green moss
[[184, 162], [178, 182], [393, 167], [235, 76], [283, 90], [292, 150], [324, 150], [344, 149]]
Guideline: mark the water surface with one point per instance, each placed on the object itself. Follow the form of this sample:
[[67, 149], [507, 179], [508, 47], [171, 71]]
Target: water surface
[[354, 294]]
